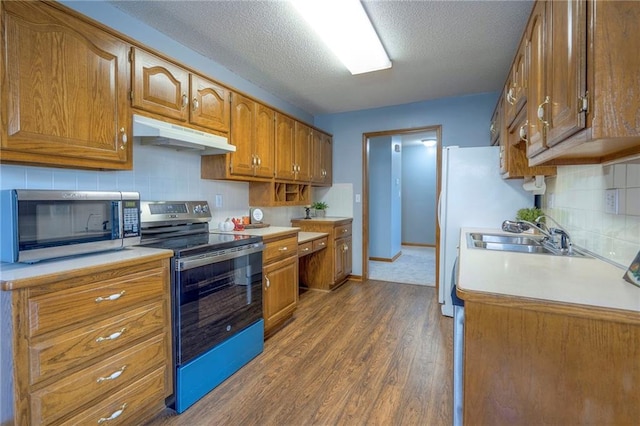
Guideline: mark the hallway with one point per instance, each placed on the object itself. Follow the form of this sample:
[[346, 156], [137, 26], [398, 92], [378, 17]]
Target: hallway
[[416, 265]]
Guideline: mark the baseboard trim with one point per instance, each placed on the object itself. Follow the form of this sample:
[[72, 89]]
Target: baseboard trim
[[386, 259], [418, 245]]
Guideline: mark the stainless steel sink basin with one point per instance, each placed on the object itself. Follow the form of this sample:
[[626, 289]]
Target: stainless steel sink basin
[[517, 243], [505, 239]]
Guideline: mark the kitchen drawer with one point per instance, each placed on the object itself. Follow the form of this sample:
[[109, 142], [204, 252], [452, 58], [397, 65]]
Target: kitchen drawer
[[74, 347], [96, 381], [305, 248], [342, 231], [50, 311], [319, 244], [280, 249], [126, 407]]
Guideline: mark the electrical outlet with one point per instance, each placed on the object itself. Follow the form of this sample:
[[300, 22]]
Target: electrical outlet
[[611, 202], [357, 198]]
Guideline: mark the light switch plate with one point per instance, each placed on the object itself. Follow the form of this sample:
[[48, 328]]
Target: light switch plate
[[611, 201]]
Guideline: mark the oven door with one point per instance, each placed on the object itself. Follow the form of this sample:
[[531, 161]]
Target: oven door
[[218, 294]]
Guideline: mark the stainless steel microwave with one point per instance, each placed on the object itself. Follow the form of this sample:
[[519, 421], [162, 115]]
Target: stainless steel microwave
[[45, 224]]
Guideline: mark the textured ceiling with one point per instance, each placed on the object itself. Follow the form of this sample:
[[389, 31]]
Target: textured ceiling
[[438, 48]]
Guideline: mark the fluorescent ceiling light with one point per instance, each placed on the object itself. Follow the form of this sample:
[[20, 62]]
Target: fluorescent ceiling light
[[345, 27], [429, 142]]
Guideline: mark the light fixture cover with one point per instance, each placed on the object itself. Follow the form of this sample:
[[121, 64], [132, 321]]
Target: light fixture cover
[[345, 27]]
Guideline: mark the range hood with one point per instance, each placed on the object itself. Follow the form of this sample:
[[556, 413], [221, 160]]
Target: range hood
[[161, 133]]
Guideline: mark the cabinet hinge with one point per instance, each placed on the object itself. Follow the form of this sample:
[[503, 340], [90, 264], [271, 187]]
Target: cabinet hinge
[[583, 103]]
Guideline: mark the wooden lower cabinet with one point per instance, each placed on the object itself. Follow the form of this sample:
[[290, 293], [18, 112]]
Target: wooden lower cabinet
[[93, 346], [329, 268], [527, 364], [279, 280]]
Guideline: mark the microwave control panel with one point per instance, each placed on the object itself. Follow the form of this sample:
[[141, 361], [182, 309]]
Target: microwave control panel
[[131, 218]]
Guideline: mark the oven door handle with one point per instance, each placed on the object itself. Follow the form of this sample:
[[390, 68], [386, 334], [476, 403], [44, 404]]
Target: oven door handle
[[214, 257]]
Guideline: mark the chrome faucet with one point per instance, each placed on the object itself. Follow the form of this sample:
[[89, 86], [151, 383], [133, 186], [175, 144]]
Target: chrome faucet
[[565, 240], [550, 234]]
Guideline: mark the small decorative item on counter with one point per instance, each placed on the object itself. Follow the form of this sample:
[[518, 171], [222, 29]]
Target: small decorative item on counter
[[633, 273], [238, 225], [245, 220], [307, 210], [226, 226], [320, 207]]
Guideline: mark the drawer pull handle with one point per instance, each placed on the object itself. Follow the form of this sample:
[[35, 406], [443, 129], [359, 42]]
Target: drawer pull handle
[[113, 375], [113, 416], [112, 336], [283, 248], [115, 296], [344, 231], [322, 243], [305, 249]]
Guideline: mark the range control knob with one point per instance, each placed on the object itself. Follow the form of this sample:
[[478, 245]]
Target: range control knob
[[197, 209], [205, 208]]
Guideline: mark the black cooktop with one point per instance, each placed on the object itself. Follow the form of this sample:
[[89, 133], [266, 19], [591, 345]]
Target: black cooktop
[[188, 245]]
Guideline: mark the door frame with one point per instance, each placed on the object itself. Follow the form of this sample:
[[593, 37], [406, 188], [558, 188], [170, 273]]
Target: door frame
[[365, 189]]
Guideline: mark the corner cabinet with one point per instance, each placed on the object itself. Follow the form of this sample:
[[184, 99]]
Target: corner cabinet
[[93, 345], [279, 279], [165, 89], [64, 90], [329, 268]]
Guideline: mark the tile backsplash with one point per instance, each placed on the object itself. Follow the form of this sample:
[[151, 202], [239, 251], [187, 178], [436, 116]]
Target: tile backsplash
[[158, 174], [576, 199]]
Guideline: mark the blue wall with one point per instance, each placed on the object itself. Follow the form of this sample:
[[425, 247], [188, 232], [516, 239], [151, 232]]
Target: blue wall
[[384, 198], [464, 120], [419, 194]]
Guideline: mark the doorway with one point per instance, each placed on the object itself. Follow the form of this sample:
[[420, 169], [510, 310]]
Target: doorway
[[399, 140]]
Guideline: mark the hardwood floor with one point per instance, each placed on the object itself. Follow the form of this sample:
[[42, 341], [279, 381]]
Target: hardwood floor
[[372, 353]]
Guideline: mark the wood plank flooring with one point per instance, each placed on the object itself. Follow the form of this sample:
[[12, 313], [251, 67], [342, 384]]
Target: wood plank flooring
[[370, 353]]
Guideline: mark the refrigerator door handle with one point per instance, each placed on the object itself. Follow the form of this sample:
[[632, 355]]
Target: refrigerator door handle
[[440, 209]]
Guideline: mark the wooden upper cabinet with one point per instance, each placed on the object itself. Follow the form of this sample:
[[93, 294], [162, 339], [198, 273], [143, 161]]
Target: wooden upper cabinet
[[584, 82], [209, 104], [516, 89], [285, 145], [321, 152], [264, 147], [565, 74], [535, 51], [243, 112], [495, 127], [64, 90], [159, 86], [166, 89], [302, 152]]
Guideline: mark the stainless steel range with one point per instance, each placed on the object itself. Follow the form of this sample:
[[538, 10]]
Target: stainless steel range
[[217, 295]]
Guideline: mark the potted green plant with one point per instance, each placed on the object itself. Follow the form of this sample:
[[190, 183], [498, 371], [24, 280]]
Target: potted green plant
[[320, 207], [530, 214]]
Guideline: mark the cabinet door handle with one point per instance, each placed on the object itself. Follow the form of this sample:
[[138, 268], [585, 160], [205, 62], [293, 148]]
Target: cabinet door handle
[[123, 138], [523, 131], [283, 248], [345, 248], [112, 336], [195, 104], [253, 159], [115, 296], [112, 376], [510, 97], [113, 416], [185, 100], [258, 159], [541, 112], [268, 282]]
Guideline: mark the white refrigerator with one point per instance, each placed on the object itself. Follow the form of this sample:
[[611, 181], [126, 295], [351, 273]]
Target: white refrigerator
[[473, 194]]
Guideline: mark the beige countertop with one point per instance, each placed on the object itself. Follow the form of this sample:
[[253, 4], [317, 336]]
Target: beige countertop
[[304, 237], [18, 275], [568, 280], [266, 232], [323, 219]]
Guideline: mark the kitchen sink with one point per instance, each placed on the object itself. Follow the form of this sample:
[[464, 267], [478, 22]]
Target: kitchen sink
[[505, 239], [518, 243]]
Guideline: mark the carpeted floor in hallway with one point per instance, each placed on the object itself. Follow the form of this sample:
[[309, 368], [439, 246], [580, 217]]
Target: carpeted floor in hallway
[[416, 265]]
